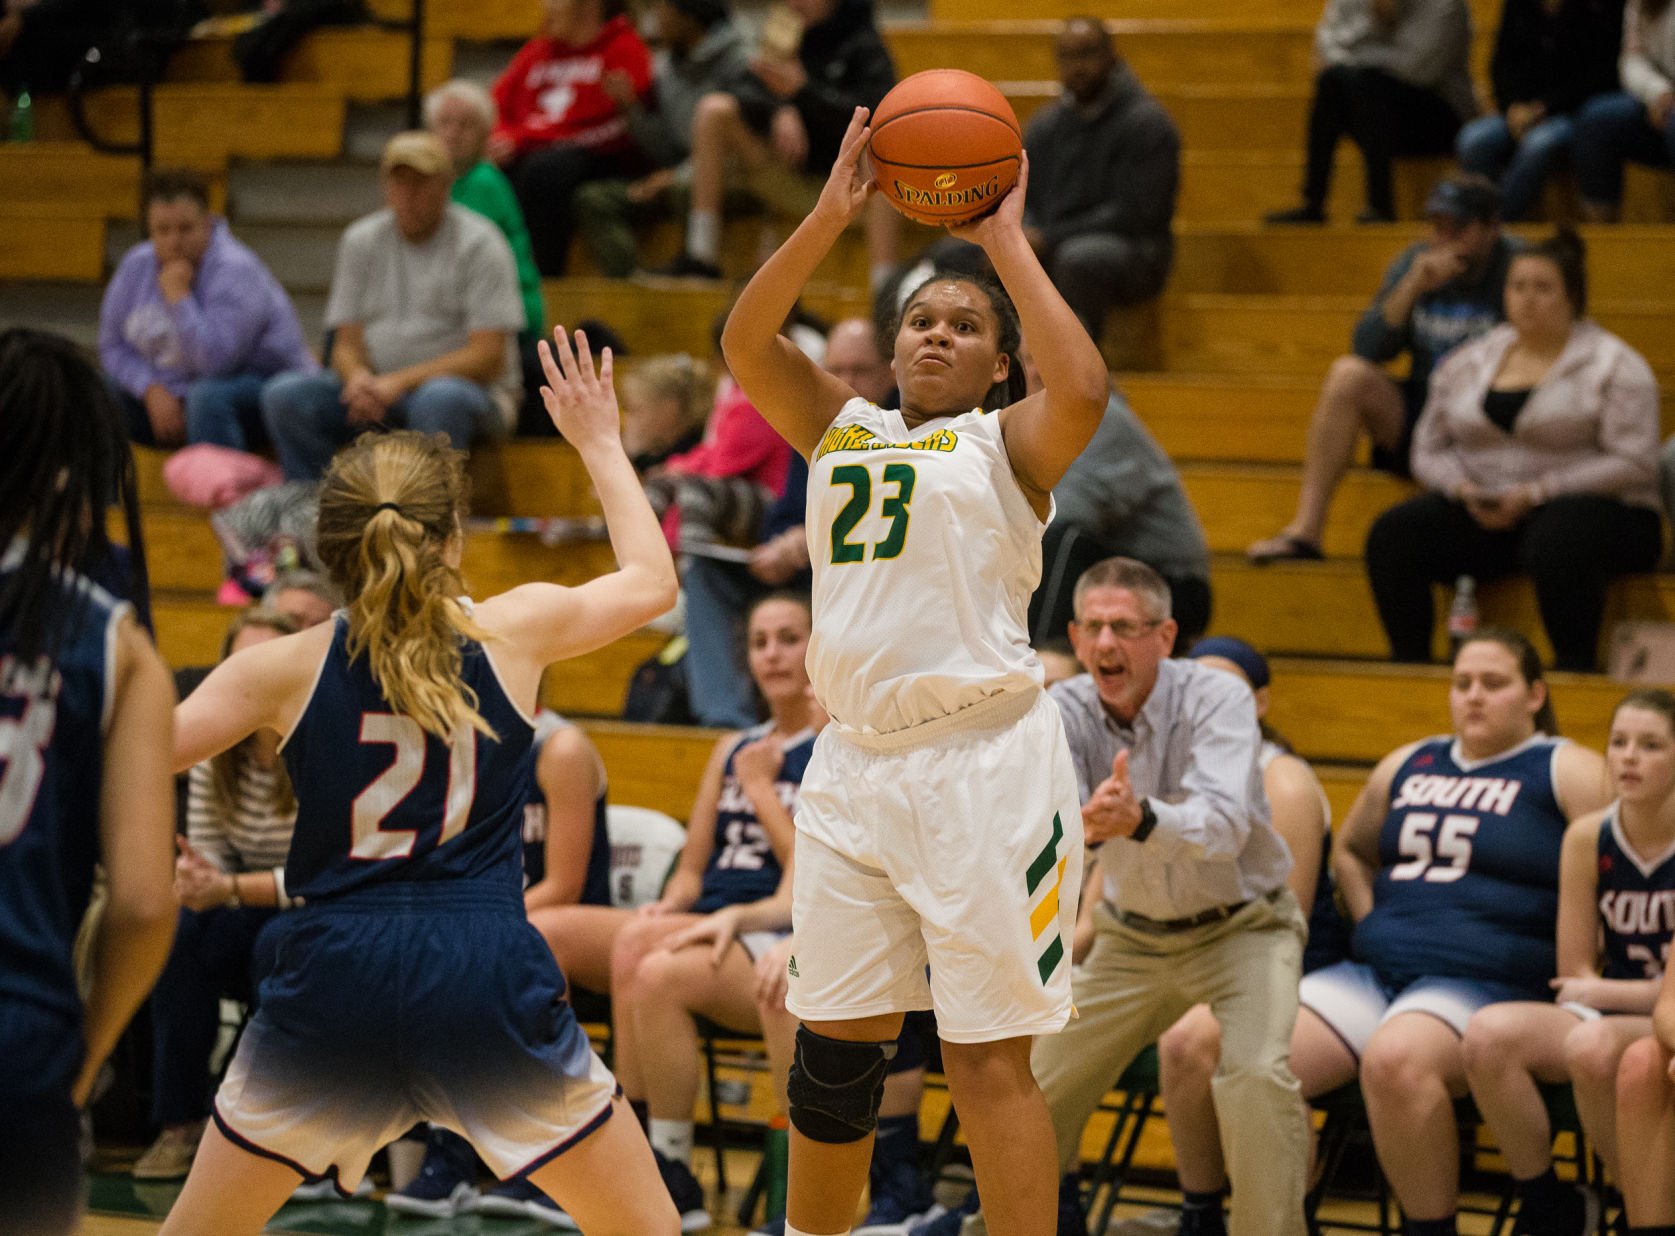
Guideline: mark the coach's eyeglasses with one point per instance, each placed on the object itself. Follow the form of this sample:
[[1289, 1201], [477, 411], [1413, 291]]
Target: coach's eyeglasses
[[1122, 628]]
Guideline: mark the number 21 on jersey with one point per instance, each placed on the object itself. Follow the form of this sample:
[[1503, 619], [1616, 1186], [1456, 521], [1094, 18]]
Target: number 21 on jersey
[[372, 841], [893, 508]]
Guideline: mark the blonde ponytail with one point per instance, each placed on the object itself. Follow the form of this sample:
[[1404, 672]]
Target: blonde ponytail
[[389, 506]]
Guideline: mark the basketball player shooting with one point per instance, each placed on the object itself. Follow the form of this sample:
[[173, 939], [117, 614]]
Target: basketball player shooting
[[938, 823]]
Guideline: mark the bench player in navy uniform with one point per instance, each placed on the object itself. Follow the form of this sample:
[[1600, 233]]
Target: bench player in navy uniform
[[566, 861], [1616, 917], [84, 771], [411, 986], [1449, 863]]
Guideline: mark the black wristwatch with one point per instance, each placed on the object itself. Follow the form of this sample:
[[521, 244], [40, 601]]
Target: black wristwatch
[[1148, 821]]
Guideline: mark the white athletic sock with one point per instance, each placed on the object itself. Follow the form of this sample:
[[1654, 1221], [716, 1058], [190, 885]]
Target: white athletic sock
[[672, 1139], [703, 235], [797, 1231]]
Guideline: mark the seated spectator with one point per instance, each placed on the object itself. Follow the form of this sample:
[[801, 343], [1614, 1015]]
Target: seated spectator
[[566, 862], [461, 113], [425, 307], [702, 51], [1104, 165], [717, 493], [1454, 911], [1635, 125], [1550, 58], [1646, 1121], [230, 881], [1190, 1051], [665, 402], [1617, 866], [307, 598], [42, 42], [1436, 295], [1538, 449], [780, 127], [193, 324], [1121, 498], [560, 124], [1395, 78], [719, 592]]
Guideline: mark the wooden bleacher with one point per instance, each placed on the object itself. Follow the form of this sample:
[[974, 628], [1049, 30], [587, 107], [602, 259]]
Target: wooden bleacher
[[1224, 369]]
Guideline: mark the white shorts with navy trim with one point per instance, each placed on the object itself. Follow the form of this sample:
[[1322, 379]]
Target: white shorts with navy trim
[[1354, 1001]]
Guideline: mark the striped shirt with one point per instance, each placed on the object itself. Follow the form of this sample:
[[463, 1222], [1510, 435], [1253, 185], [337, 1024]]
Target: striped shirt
[[256, 837]]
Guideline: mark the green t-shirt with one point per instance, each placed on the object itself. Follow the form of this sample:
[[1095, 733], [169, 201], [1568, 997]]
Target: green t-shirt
[[486, 190]]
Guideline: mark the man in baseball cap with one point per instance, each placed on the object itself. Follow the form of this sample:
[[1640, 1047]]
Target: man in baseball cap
[[425, 309], [1436, 295]]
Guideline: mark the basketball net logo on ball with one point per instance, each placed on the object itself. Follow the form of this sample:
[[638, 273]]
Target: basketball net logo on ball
[[945, 146]]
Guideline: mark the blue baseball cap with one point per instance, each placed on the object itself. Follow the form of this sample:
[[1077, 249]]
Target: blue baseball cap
[[1464, 199]]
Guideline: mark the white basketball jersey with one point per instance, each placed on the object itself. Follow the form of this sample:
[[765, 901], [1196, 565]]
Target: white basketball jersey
[[925, 552]]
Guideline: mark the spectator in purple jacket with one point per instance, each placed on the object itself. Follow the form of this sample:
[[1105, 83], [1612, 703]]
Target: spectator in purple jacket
[[1538, 448], [193, 324]]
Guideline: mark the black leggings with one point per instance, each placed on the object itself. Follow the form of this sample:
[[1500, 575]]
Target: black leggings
[[1381, 114], [1571, 547], [546, 181]]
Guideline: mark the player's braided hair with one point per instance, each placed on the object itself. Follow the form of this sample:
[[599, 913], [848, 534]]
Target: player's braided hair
[[1009, 333], [389, 505], [64, 462]]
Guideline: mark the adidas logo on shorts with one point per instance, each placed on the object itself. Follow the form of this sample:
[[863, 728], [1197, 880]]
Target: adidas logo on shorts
[[791, 967]]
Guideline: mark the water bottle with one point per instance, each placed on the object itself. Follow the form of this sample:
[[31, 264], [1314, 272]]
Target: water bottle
[[23, 118], [776, 1158], [1462, 613]]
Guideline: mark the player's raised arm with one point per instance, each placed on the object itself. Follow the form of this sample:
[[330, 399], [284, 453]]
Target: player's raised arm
[[1045, 431], [797, 397]]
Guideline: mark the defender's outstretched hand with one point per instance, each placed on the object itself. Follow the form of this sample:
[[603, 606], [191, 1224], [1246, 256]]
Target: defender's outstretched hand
[[581, 401]]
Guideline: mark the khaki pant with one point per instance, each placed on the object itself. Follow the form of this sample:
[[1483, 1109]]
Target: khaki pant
[[1134, 985]]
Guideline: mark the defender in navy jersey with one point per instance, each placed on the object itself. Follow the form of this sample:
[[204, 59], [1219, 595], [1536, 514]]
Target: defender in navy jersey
[[84, 772], [1616, 917], [410, 985], [1449, 861]]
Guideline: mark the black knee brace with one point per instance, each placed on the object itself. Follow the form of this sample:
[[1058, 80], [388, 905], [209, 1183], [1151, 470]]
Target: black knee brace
[[836, 1086]]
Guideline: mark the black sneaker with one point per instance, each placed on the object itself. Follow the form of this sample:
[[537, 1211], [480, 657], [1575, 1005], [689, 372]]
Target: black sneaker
[[685, 266], [1569, 1211], [1297, 214], [1376, 216], [687, 1193], [447, 1181]]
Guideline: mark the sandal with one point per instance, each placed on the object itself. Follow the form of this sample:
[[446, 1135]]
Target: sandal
[[1283, 547]]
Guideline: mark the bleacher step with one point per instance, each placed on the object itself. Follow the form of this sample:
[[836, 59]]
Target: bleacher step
[[313, 193]]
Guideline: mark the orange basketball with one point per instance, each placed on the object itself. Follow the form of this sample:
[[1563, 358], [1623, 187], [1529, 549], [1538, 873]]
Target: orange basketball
[[945, 146]]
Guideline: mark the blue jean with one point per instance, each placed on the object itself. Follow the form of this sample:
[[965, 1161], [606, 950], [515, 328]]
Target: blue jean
[[1612, 129], [227, 412], [717, 678], [1486, 146], [307, 420], [215, 954]]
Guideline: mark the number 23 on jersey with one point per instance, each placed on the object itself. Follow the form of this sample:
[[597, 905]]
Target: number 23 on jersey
[[893, 507]]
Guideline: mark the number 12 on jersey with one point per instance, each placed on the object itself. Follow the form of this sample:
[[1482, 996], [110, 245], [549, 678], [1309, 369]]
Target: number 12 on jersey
[[893, 507]]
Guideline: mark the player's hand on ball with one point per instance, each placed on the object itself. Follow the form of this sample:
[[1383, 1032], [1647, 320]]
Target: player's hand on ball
[[848, 188], [581, 401], [1005, 219]]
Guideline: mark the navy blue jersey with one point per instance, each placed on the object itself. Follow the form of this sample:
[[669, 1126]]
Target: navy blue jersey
[[53, 717], [1636, 905], [378, 799], [1468, 881], [596, 882], [742, 863]]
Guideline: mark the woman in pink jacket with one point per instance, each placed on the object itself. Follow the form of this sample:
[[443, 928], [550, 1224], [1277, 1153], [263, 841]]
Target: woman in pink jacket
[[1539, 447]]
